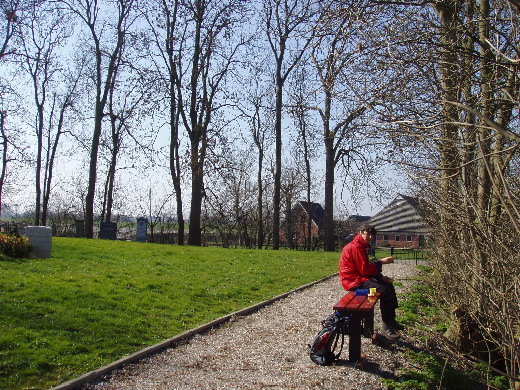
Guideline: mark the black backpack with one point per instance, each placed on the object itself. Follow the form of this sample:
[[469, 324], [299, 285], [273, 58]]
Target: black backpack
[[329, 339]]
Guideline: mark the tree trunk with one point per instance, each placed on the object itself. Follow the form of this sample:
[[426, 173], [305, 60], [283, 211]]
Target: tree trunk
[[330, 165], [175, 163], [175, 171], [111, 178], [484, 183], [197, 183], [50, 162], [260, 200], [4, 144], [278, 157], [329, 242], [448, 69], [92, 175]]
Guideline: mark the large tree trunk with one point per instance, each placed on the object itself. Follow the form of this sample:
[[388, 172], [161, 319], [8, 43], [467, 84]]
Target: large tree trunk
[[175, 172], [278, 157], [197, 184], [51, 159], [5, 160], [175, 163], [260, 201], [329, 242], [92, 175]]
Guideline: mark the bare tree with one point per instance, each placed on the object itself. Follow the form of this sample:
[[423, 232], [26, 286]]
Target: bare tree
[[42, 36], [300, 110], [168, 35], [285, 23], [230, 203], [254, 106], [464, 154], [128, 103], [337, 55], [12, 17], [108, 44], [259, 133], [205, 61]]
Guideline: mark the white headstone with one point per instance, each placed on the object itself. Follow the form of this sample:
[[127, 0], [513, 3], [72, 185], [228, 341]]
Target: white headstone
[[40, 238]]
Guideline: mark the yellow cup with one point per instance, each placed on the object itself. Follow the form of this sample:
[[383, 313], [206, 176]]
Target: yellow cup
[[373, 291]]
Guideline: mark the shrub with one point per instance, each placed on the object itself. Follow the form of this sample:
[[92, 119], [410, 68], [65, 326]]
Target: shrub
[[14, 246]]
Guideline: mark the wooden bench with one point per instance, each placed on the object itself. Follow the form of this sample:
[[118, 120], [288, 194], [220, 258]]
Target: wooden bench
[[360, 308]]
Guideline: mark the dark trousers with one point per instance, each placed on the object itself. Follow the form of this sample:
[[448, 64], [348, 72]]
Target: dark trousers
[[387, 299]]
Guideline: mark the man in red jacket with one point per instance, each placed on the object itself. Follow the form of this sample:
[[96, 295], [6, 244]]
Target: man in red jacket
[[355, 271]]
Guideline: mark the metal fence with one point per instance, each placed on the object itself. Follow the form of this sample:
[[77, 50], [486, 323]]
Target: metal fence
[[412, 256]]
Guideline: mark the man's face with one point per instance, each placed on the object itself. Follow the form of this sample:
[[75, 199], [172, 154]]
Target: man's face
[[368, 237]]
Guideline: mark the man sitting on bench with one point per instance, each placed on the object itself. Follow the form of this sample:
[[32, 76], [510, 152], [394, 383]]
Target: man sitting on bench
[[357, 272]]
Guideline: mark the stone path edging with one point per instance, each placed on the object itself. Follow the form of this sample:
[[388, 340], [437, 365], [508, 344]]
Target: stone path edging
[[94, 374]]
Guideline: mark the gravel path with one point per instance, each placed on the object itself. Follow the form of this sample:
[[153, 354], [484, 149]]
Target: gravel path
[[268, 350]]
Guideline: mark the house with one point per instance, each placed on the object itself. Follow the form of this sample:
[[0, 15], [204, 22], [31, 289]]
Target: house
[[401, 224], [293, 230]]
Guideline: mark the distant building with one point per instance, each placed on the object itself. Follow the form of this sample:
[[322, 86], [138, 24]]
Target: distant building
[[401, 224], [293, 230]]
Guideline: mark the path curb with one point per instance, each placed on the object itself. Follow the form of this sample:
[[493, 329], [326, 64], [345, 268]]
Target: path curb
[[94, 374]]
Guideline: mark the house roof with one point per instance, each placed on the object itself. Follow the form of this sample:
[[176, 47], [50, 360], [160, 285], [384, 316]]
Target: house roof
[[403, 214]]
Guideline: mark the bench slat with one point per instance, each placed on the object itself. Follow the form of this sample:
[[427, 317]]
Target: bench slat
[[353, 302], [343, 302], [356, 302], [369, 303]]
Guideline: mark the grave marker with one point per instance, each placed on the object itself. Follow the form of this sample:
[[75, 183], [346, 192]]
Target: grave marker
[[40, 238], [108, 230], [80, 228], [142, 224]]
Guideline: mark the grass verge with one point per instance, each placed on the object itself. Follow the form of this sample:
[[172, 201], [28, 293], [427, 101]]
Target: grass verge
[[96, 301], [433, 367]]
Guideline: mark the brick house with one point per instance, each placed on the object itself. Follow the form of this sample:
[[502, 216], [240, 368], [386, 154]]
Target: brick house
[[293, 230], [401, 224]]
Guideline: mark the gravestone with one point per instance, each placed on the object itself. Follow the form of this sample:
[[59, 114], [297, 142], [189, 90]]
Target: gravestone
[[108, 230], [142, 224], [80, 228], [40, 238]]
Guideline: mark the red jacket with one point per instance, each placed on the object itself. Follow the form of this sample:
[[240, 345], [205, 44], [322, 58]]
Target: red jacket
[[354, 267]]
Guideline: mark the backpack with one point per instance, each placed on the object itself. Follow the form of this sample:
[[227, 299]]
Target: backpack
[[325, 344]]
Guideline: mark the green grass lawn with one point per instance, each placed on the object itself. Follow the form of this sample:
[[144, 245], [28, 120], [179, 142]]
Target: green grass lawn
[[96, 301]]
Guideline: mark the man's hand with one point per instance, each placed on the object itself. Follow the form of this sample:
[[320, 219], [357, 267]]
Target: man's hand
[[387, 260]]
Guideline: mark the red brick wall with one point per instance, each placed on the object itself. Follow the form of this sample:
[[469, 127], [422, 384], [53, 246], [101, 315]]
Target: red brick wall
[[403, 241]]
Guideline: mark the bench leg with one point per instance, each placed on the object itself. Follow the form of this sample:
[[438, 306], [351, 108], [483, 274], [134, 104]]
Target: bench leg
[[368, 325], [354, 346]]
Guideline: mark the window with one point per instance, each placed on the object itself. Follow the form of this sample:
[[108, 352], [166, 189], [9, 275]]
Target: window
[[385, 237], [398, 238], [408, 238]]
